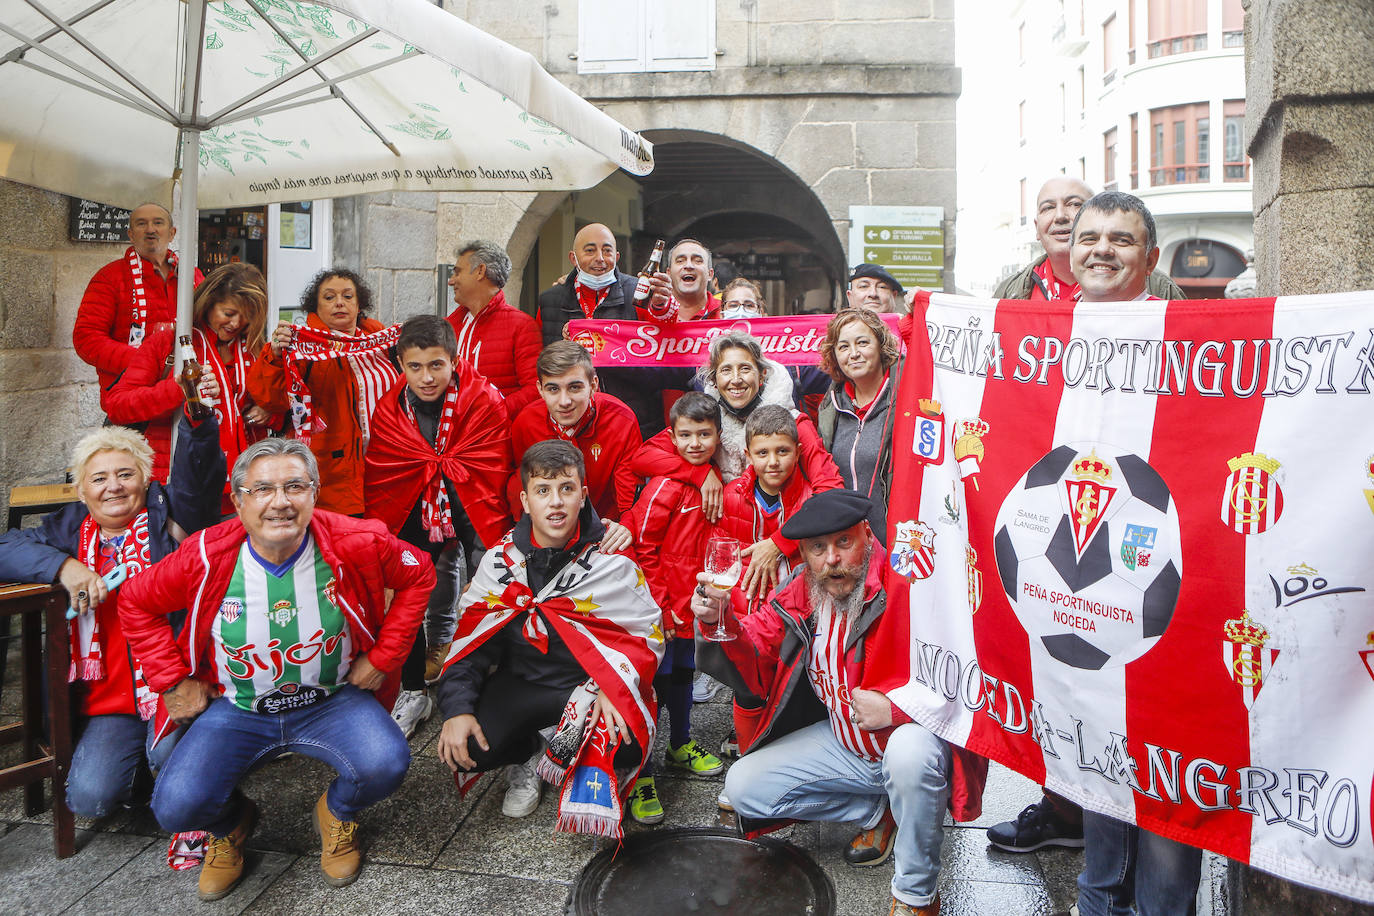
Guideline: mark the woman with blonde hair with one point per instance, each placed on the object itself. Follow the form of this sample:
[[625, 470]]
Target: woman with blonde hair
[[124, 523], [227, 321]]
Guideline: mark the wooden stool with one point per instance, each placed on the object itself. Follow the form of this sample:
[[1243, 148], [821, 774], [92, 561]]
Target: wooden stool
[[32, 604]]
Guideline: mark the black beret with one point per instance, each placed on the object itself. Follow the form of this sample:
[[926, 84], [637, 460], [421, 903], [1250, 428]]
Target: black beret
[[826, 513], [877, 273]]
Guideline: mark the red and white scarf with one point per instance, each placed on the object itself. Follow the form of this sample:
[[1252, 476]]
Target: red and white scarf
[[602, 610], [367, 356], [138, 327], [87, 651], [435, 512], [233, 382]]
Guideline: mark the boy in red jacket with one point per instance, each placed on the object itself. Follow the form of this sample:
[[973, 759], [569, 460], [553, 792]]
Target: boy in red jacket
[[433, 472], [573, 408], [757, 503], [670, 531]]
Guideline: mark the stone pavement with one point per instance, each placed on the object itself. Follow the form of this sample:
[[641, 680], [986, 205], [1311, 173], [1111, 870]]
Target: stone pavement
[[427, 852]]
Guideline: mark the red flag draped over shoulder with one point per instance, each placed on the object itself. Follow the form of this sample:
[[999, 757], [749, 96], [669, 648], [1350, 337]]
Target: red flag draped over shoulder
[[401, 464]]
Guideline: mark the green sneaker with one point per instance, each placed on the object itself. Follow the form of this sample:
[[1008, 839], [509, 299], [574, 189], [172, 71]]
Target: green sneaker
[[694, 759], [644, 806]]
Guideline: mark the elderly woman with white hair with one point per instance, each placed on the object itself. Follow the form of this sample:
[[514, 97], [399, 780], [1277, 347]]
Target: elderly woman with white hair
[[123, 524]]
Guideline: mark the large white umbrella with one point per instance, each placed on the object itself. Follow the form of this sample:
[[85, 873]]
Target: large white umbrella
[[257, 101]]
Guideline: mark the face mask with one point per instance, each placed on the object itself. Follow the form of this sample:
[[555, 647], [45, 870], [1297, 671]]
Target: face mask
[[733, 312], [592, 281]]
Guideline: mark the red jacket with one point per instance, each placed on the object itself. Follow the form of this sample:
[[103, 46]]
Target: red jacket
[[103, 319], [773, 694], [670, 532], [400, 462], [367, 562], [145, 394], [607, 443], [741, 518], [502, 343], [659, 456], [338, 447]]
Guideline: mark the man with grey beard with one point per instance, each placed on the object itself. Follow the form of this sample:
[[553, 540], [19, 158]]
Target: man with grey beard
[[816, 745]]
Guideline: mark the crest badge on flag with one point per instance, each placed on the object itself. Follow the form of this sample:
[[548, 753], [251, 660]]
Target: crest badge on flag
[[928, 440], [1367, 653], [968, 446], [1247, 660], [975, 580], [913, 552], [1252, 500], [1369, 472], [1089, 497], [1138, 541]]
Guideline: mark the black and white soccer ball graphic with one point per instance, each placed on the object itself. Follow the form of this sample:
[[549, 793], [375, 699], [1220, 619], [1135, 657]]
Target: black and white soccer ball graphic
[[1088, 552]]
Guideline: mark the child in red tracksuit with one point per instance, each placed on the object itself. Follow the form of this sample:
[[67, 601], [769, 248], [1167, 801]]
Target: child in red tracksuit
[[670, 531], [755, 506]]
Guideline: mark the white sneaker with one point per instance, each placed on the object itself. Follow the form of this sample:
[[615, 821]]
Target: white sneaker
[[724, 803], [412, 707], [704, 687], [522, 796]]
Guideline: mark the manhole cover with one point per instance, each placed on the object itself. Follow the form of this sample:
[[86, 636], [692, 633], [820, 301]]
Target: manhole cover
[[702, 871]]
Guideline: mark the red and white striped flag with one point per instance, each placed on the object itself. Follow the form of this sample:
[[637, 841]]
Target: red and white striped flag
[[1148, 583]]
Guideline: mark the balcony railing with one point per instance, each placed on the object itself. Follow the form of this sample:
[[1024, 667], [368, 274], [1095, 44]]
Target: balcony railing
[[1181, 44], [1237, 171], [1180, 174], [1234, 39]]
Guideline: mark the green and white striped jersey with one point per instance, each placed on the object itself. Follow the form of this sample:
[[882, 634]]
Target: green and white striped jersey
[[280, 642]]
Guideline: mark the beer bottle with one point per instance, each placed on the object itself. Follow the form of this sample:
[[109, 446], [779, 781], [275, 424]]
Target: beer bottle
[[190, 377], [654, 266]]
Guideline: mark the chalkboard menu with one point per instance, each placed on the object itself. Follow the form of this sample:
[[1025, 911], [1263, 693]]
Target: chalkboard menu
[[94, 222]]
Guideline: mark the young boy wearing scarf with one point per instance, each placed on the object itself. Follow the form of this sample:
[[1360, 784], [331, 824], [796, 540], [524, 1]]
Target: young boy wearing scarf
[[574, 638], [434, 473]]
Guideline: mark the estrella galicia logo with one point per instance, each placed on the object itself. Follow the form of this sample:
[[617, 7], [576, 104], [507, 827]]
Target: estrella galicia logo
[[288, 697]]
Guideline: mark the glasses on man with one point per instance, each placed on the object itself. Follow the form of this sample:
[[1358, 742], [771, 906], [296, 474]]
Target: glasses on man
[[292, 489]]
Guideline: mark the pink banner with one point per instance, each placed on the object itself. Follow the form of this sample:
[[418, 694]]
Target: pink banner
[[793, 340]]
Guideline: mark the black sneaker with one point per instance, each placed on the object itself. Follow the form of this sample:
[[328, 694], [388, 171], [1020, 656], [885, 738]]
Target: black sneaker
[[1033, 828]]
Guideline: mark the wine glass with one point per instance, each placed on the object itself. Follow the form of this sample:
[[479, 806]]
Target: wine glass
[[724, 567]]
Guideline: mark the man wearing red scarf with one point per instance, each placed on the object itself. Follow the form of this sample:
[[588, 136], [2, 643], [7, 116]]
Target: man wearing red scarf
[[129, 296], [500, 341]]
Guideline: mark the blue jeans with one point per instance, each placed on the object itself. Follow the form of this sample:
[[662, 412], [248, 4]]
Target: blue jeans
[[350, 731], [808, 775], [106, 760], [441, 615], [1123, 864]]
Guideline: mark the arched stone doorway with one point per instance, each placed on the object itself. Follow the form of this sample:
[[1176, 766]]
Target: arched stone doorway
[[1202, 267], [754, 213]]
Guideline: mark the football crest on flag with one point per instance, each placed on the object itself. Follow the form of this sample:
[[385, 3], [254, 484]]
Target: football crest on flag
[[1369, 472], [975, 579], [1090, 494], [913, 550], [1058, 550], [1248, 660], [1252, 500], [928, 440]]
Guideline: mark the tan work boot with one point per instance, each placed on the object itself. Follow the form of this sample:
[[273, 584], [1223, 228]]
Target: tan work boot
[[340, 854], [905, 909], [222, 867], [434, 662]]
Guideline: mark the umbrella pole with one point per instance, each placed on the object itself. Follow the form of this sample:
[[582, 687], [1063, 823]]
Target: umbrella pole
[[188, 230]]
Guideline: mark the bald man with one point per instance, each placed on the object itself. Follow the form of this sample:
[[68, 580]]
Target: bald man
[[1050, 276], [595, 288]]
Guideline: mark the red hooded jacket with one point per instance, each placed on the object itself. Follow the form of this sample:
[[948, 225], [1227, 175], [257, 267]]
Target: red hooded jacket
[[105, 315], [606, 444], [400, 462], [670, 532], [366, 559], [502, 343]]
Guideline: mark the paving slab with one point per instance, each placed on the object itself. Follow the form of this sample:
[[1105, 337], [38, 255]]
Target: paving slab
[[156, 888], [394, 890], [36, 881]]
